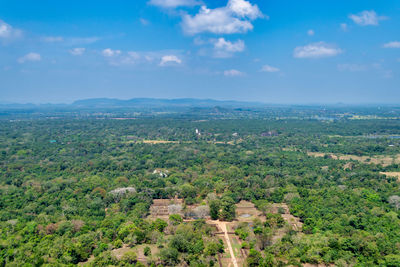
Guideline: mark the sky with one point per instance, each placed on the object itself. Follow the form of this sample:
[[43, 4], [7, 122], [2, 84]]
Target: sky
[[272, 51]]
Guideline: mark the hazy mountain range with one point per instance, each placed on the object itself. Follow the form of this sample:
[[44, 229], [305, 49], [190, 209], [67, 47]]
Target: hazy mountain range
[[135, 103]]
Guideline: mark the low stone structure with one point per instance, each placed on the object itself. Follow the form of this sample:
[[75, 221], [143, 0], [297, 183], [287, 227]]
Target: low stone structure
[[166, 207]]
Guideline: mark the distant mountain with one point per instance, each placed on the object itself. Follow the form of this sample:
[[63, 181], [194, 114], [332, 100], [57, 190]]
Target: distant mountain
[[159, 103], [135, 104]]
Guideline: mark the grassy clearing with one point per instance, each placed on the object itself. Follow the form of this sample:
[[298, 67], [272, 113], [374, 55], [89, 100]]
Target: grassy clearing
[[384, 160], [155, 142], [392, 174]]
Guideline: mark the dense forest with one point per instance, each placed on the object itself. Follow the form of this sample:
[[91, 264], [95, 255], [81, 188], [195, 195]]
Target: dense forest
[[77, 188]]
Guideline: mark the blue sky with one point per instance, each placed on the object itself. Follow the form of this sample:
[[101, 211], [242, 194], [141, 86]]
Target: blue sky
[[273, 51]]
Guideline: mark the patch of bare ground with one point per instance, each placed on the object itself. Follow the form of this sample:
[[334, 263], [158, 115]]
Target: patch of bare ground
[[226, 143], [384, 160], [84, 263], [392, 174], [289, 149], [120, 252], [348, 166], [247, 212], [155, 142]]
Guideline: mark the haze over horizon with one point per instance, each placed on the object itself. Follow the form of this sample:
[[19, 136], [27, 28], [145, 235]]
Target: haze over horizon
[[282, 52], [211, 100]]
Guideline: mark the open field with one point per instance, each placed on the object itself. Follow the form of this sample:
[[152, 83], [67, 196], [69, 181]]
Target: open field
[[384, 160], [247, 212], [155, 142], [392, 174]]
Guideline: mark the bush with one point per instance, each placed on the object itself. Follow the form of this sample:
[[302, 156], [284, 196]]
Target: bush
[[147, 251], [175, 219], [169, 256], [130, 257], [118, 243]]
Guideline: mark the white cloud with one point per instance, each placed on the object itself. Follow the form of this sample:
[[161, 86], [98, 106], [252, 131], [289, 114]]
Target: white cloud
[[244, 9], [110, 53], [52, 39], [310, 32], [215, 21], [77, 51], [224, 48], [268, 68], [236, 17], [131, 58], [8, 32], [394, 44], [30, 57], [366, 18], [344, 27], [316, 50], [233, 73], [174, 3], [228, 46], [168, 59]]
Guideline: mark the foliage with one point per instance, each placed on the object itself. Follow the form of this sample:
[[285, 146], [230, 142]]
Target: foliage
[[90, 192]]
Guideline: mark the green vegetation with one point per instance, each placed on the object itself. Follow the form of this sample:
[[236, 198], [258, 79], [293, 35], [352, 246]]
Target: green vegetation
[[74, 189]]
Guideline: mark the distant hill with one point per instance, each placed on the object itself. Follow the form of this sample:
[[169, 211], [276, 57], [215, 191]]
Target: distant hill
[[159, 103]]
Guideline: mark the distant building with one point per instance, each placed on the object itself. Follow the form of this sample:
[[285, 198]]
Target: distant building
[[269, 133]]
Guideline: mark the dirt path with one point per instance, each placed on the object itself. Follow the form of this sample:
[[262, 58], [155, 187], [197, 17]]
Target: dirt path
[[222, 225]]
